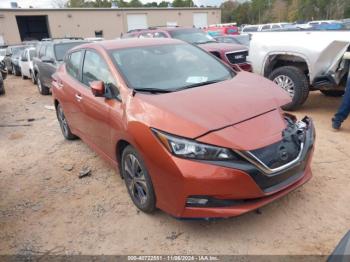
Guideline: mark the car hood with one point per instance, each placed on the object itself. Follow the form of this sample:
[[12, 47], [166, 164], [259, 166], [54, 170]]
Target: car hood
[[194, 112], [212, 47]]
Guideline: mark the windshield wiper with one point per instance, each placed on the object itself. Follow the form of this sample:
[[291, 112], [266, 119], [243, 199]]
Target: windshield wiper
[[205, 42], [199, 84], [151, 90]]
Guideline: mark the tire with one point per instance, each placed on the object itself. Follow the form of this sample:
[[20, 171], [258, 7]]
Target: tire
[[15, 71], [333, 93], [23, 76], [67, 133], [2, 88], [44, 90], [33, 77], [297, 85], [137, 180]]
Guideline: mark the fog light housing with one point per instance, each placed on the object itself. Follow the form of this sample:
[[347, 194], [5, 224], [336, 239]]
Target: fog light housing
[[197, 201]]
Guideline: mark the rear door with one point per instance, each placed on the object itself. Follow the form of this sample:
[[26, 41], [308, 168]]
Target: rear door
[[70, 80]]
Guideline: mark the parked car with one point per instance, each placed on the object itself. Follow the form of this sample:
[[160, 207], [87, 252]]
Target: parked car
[[50, 55], [3, 74], [234, 55], [264, 27], [234, 39], [301, 62], [2, 53], [190, 135], [13, 54], [26, 63], [222, 29]]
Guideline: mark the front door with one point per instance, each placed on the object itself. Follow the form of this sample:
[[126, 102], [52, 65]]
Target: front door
[[96, 111]]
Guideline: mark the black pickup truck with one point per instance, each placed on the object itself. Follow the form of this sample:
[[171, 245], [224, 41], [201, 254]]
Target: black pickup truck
[[49, 56]]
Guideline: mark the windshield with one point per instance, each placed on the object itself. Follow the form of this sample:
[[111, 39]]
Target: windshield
[[16, 51], [61, 49], [169, 68], [2, 52], [192, 35]]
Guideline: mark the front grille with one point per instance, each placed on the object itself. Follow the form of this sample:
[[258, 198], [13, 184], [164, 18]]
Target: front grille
[[239, 57], [278, 154]]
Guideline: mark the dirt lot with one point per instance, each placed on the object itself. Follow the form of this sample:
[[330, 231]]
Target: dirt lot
[[44, 206]]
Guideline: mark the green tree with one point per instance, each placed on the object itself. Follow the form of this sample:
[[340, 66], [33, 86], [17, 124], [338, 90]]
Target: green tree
[[164, 4], [227, 11], [182, 3], [135, 3], [151, 4]]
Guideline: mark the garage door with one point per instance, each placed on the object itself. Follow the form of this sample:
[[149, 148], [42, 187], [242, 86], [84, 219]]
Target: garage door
[[200, 20], [138, 21]]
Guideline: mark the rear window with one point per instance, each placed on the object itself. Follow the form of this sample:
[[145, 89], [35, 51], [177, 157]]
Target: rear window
[[61, 49]]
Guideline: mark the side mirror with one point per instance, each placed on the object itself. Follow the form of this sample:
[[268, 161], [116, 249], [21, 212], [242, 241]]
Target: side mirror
[[46, 59], [97, 88]]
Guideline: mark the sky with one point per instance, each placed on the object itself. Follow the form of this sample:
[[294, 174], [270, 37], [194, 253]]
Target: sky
[[48, 3]]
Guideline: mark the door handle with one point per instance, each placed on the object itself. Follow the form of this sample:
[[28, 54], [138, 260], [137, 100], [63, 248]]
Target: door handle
[[78, 97]]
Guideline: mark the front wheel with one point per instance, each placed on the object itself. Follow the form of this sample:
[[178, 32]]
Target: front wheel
[[41, 87], [333, 93], [137, 180], [67, 133], [15, 71], [295, 82]]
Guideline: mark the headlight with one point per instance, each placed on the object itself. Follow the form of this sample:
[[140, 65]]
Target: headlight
[[187, 148]]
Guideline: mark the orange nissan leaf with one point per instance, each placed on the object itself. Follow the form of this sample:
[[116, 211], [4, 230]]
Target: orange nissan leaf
[[189, 135]]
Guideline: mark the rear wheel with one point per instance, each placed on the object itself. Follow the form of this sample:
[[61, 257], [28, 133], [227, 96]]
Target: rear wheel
[[137, 180], [23, 76], [295, 82], [41, 87], [32, 77], [64, 124], [333, 93]]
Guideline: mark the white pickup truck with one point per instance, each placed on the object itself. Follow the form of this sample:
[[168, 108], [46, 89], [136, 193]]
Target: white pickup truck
[[302, 61]]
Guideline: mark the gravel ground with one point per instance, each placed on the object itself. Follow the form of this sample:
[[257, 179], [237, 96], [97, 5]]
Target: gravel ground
[[45, 207]]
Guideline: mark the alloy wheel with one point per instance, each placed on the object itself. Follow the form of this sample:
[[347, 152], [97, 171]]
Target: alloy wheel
[[39, 85], [135, 179], [62, 120], [286, 83]]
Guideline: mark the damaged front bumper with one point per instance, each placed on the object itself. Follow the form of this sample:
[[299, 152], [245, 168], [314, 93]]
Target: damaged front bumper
[[234, 188]]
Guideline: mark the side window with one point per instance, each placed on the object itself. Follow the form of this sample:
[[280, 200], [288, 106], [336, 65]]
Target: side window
[[276, 26], [42, 51], [96, 69], [146, 35], [24, 55], [265, 27], [159, 35], [49, 52], [73, 63]]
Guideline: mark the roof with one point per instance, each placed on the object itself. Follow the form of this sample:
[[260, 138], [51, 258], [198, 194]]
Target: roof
[[132, 42], [104, 9]]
